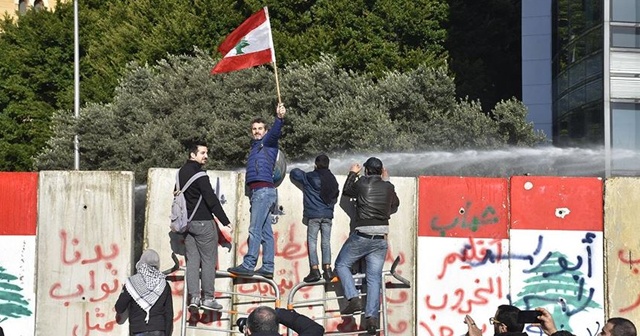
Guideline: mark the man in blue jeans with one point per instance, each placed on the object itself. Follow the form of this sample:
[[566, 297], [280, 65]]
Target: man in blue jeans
[[376, 200], [320, 194], [259, 179]]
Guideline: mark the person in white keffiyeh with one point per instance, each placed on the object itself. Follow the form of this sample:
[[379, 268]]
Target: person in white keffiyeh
[[146, 296]]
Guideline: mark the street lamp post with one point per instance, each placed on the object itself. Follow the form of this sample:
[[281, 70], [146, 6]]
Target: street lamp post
[[76, 82]]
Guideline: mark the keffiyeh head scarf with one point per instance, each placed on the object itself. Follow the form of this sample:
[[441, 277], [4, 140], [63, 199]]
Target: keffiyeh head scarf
[[146, 286]]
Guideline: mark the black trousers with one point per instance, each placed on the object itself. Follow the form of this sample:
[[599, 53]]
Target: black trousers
[[150, 333]]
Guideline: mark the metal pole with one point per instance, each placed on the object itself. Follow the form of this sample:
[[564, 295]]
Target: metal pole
[[606, 76], [76, 81]]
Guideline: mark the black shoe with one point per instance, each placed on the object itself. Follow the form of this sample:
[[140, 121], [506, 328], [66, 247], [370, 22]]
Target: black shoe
[[372, 325], [328, 274], [314, 275], [240, 270], [268, 275], [353, 306]]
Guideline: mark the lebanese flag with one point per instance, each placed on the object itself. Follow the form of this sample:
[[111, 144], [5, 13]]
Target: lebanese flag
[[249, 45]]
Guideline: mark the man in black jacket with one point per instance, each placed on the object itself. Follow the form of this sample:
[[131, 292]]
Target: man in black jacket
[[376, 200], [264, 321], [505, 323], [201, 238]]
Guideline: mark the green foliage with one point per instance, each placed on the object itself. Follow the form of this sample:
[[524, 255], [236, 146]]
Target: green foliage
[[514, 129], [36, 49], [157, 109], [380, 80], [370, 36], [35, 79]]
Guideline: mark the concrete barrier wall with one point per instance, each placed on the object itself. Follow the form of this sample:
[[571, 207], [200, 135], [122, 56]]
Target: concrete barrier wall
[[462, 234], [474, 257], [480, 242], [18, 209], [622, 247], [85, 225], [291, 261], [556, 249]]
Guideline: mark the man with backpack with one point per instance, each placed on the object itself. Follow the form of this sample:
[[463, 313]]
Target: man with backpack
[[262, 191], [201, 236]]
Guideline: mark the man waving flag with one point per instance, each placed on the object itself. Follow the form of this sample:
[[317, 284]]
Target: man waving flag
[[249, 45]]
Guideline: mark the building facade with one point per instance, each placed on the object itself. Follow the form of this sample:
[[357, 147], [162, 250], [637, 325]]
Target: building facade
[[17, 7], [581, 76]]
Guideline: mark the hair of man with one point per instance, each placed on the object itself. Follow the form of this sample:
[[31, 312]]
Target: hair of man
[[262, 318], [260, 120], [622, 327], [194, 146], [508, 315], [373, 166], [322, 161]]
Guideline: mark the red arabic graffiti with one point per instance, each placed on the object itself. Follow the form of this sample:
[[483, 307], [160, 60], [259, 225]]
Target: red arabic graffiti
[[88, 326], [625, 257], [462, 301], [474, 251], [94, 289]]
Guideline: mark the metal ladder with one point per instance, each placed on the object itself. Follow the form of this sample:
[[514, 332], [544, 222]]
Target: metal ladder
[[232, 296], [383, 323]]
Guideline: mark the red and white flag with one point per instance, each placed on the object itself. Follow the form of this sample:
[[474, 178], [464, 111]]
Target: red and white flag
[[249, 45]]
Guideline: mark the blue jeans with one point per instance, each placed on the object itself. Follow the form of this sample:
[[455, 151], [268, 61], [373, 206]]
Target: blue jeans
[[374, 251], [263, 201], [324, 226], [201, 243]]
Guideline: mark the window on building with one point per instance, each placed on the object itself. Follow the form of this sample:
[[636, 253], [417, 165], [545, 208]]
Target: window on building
[[22, 7], [38, 4], [625, 138], [625, 37], [625, 10]]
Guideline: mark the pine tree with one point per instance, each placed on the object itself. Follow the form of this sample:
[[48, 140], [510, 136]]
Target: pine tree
[[12, 303]]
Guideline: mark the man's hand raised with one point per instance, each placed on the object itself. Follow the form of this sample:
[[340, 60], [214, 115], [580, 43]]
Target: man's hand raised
[[281, 111]]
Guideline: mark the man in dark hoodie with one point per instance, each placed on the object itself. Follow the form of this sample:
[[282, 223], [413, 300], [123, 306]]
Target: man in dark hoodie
[[201, 238], [320, 194]]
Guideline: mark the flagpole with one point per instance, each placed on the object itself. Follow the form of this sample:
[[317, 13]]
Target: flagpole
[[275, 71]]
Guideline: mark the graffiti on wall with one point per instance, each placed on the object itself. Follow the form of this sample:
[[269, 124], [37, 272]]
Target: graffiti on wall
[[15, 276], [529, 266], [94, 284], [625, 257]]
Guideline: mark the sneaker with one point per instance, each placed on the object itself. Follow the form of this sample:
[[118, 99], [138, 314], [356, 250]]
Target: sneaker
[[328, 274], [210, 304], [353, 306], [194, 303], [240, 270], [372, 325], [264, 273], [314, 275]]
